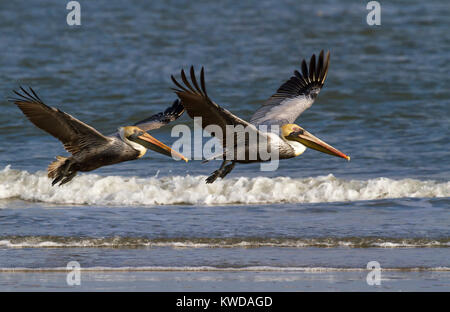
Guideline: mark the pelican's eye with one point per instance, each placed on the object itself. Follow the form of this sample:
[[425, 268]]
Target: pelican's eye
[[134, 134]]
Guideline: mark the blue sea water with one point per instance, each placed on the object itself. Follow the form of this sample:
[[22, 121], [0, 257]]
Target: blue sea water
[[385, 103]]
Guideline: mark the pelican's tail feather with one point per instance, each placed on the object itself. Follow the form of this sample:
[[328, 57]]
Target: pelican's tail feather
[[54, 168], [60, 169]]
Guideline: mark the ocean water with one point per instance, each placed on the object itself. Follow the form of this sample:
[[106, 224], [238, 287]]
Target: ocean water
[[153, 224]]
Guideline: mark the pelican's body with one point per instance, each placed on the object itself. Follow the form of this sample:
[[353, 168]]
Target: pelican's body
[[115, 150], [279, 112], [89, 148]]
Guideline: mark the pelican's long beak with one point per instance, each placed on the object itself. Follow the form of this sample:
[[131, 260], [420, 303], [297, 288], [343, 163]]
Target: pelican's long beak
[[313, 142], [150, 142]]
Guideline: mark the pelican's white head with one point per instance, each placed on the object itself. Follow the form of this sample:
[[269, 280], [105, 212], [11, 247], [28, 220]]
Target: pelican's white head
[[126, 132], [141, 141]]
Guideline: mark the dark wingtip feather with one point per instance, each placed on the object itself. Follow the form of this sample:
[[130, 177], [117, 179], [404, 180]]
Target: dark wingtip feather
[[176, 90], [28, 94], [186, 81], [202, 81], [317, 70], [304, 70], [25, 95], [308, 77], [178, 84], [194, 80], [312, 68], [35, 95], [325, 68], [194, 88], [319, 66], [176, 109]]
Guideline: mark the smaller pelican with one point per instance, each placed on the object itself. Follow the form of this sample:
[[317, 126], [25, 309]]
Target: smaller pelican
[[89, 148]]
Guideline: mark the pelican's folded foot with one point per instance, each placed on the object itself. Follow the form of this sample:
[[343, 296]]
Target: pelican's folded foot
[[213, 177], [68, 178], [227, 170]]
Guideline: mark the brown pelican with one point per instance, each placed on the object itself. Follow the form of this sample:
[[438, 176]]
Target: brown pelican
[[89, 148], [281, 109]]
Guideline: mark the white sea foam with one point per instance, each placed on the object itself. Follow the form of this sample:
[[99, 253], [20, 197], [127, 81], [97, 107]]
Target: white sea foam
[[92, 189], [137, 242]]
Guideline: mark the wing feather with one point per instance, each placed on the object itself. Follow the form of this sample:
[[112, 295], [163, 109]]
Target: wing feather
[[295, 95], [158, 120], [198, 104], [74, 134]]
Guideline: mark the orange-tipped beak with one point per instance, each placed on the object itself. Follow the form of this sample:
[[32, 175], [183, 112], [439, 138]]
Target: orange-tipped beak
[[150, 142], [313, 142]]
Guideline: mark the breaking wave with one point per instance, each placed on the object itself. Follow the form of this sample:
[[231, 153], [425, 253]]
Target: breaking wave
[[138, 242], [92, 189]]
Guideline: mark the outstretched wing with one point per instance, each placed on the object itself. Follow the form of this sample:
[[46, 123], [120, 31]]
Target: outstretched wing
[[295, 95], [74, 134], [161, 119], [198, 104]]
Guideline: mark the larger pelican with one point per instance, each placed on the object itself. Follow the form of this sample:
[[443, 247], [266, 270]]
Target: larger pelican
[[89, 148], [281, 109]]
